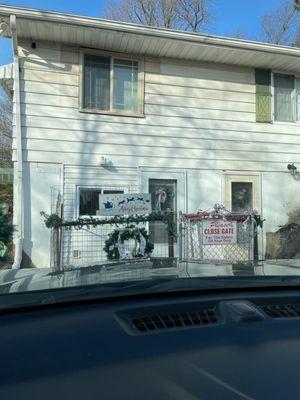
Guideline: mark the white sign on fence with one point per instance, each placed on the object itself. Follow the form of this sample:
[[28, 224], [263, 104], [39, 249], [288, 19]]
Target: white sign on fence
[[124, 204], [215, 232]]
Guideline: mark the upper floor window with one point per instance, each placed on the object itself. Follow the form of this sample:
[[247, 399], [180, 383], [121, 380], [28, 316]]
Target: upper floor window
[[286, 98], [112, 84]]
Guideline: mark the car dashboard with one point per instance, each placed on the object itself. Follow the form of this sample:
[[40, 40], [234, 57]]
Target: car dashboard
[[235, 345]]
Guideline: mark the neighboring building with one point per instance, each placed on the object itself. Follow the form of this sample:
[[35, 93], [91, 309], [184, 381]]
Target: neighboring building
[[107, 107]]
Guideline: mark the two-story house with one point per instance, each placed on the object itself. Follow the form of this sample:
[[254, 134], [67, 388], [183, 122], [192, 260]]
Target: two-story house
[[111, 107]]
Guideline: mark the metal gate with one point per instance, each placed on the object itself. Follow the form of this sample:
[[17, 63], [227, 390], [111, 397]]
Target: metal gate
[[193, 246]]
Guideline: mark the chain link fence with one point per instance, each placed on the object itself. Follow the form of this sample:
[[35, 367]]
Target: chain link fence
[[193, 246]]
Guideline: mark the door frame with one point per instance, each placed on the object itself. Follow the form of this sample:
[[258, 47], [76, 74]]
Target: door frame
[[254, 178], [160, 173]]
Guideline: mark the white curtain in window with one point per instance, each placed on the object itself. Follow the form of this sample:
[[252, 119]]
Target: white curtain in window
[[283, 97], [125, 85]]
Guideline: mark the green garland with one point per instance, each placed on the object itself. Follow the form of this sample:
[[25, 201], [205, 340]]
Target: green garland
[[54, 221], [130, 232]]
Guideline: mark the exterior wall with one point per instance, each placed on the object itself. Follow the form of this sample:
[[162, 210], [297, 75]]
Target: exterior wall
[[40, 180], [199, 118]]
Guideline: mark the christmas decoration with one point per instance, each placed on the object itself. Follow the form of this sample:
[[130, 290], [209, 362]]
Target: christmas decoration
[[54, 221], [219, 212], [115, 247]]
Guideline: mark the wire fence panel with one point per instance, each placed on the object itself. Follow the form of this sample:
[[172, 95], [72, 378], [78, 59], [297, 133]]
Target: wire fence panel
[[194, 248], [71, 247], [213, 236], [85, 247]]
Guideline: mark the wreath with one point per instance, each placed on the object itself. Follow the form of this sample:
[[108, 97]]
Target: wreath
[[114, 245]]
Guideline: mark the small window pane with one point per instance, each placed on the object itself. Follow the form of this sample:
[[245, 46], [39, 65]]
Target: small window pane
[[283, 97], [96, 82], [89, 201], [126, 85], [241, 196]]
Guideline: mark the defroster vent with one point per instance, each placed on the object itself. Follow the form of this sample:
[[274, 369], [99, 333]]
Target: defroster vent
[[174, 320], [282, 310]]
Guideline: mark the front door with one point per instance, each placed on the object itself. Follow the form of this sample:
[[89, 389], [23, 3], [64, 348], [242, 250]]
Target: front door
[[242, 194], [167, 195]]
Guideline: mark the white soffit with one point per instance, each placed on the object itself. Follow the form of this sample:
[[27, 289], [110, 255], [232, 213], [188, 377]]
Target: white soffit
[[143, 40]]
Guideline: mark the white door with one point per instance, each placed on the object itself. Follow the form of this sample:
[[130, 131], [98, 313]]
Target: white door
[[242, 193], [168, 193]]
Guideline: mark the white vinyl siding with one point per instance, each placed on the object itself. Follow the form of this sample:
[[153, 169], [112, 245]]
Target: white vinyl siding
[[197, 116]]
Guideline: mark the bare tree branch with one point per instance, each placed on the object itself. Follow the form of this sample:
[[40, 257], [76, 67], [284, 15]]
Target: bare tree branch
[[188, 15], [281, 26]]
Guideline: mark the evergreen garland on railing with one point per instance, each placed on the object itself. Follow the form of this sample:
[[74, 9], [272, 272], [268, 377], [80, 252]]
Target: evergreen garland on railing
[[54, 221]]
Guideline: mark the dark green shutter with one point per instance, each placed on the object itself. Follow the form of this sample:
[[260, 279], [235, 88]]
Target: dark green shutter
[[263, 95]]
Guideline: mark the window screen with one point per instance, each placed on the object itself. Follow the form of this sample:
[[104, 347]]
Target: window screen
[[283, 97], [106, 76], [125, 85], [96, 82]]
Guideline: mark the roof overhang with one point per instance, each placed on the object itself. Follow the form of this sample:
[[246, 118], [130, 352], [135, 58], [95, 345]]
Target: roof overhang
[[144, 40], [7, 78]]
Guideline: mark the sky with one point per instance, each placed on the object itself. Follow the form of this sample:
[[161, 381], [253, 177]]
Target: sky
[[231, 16]]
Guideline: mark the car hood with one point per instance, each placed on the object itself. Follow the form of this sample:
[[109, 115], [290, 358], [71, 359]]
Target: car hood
[[35, 279], [29, 279]]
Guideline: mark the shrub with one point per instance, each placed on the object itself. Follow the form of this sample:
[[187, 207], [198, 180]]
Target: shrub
[[6, 231]]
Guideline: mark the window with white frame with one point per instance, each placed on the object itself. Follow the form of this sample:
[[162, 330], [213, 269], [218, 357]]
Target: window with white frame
[[111, 84], [286, 97], [242, 192], [89, 199]]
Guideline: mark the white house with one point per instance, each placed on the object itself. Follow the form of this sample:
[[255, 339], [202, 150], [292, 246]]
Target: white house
[[111, 107]]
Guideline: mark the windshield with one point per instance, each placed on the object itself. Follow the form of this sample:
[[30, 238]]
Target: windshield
[[162, 152]]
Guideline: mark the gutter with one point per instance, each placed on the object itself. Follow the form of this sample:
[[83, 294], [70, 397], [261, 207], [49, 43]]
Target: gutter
[[19, 238], [147, 31]]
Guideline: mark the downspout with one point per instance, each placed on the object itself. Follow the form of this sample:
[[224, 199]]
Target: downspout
[[19, 238]]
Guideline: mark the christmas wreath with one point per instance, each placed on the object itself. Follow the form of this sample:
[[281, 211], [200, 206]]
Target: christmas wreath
[[114, 245]]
